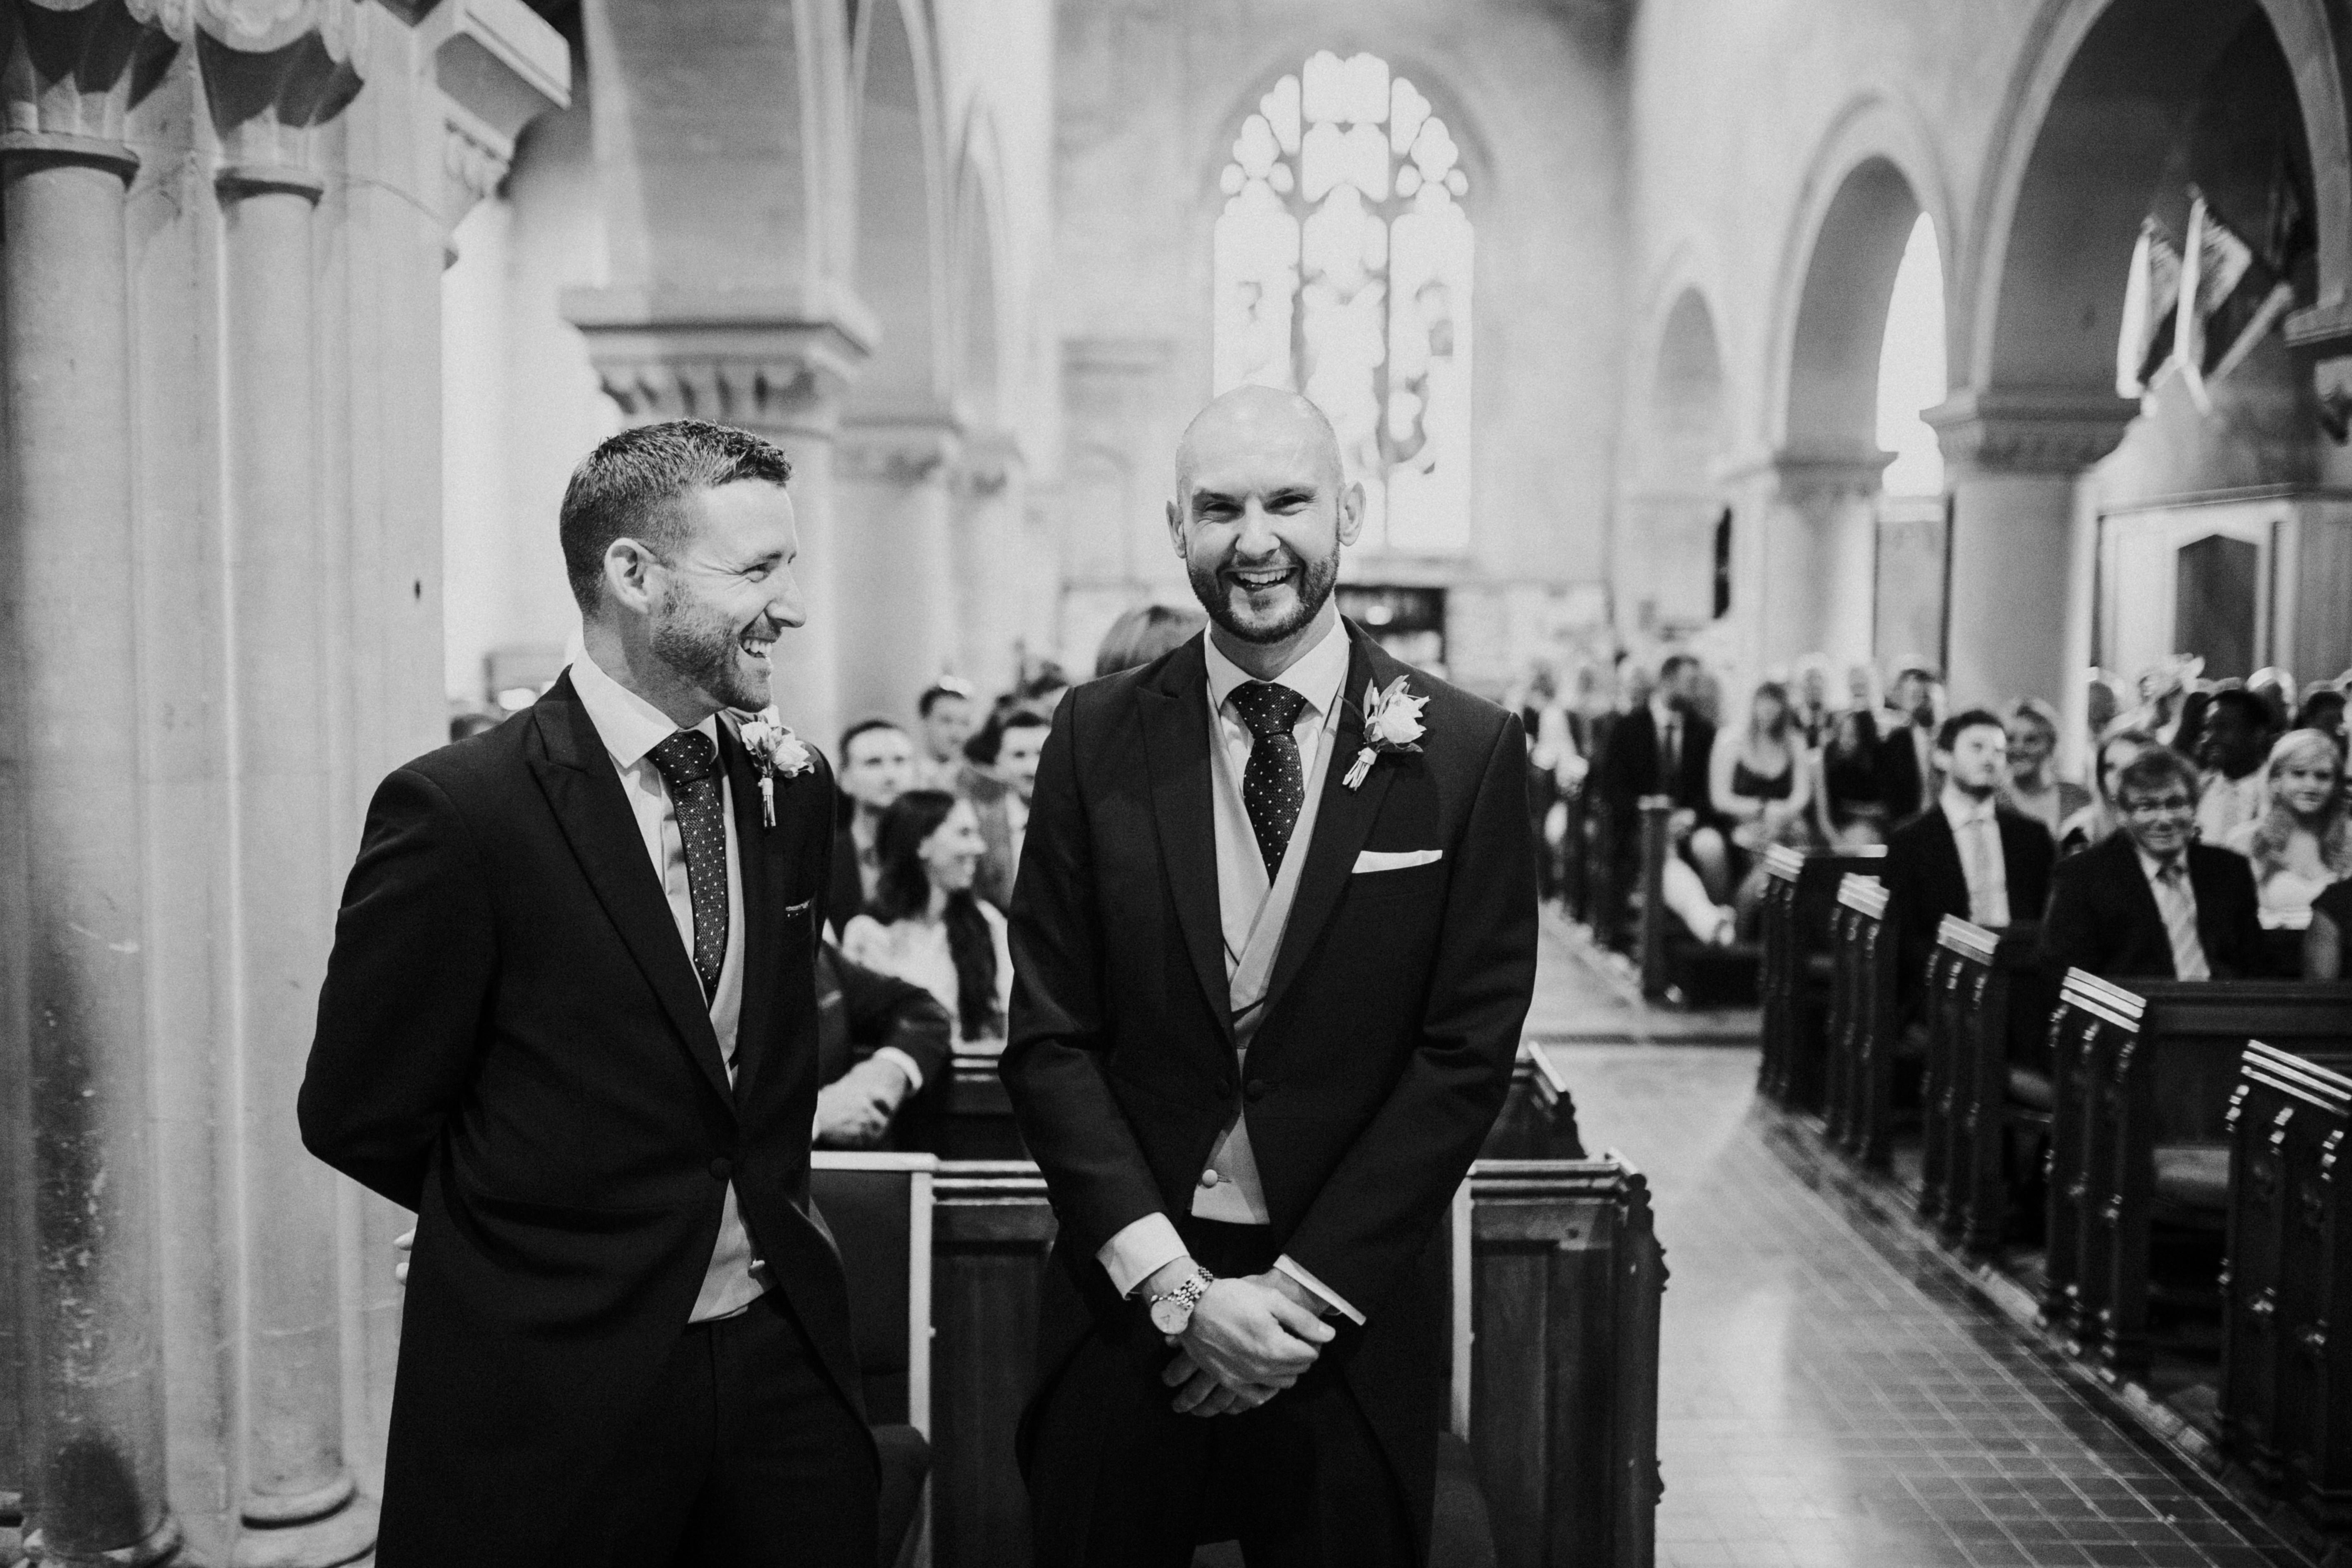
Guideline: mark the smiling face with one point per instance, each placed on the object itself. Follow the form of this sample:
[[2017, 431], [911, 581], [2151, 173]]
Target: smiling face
[[715, 606], [1017, 754], [1261, 513], [2159, 820], [952, 854], [2030, 746], [2306, 781], [877, 767]]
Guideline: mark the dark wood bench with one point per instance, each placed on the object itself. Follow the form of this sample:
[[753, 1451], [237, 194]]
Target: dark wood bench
[[2287, 1363], [1556, 1279], [1859, 1077], [1986, 1095], [2144, 1079], [1539, 1119], [1800, 895]]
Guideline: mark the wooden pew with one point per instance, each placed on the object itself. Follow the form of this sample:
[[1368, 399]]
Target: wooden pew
[[1557, 1281], [2139, 1073], [1858, 1082], [1800, 897], [1539, 1119], [1650, 941], [2285, 1399], [975, 1119], [1989, 1003]]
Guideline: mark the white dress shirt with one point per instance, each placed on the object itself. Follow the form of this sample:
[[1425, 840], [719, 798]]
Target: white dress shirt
[[916, 951], [1975, 833], [2226, 804], [1229, 1189], [2175, 901], [630, 727]]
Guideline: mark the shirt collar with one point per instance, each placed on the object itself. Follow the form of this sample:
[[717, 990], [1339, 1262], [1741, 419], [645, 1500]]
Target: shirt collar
[[627, 724], [1317, 675], [1664, 715], [1960, 811], [2153, 868]]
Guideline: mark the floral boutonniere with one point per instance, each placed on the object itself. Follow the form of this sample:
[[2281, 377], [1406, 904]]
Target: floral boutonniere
[[779, 753], [1392, 726]]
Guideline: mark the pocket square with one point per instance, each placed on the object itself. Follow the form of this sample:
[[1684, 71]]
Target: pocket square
[[1395, 860], [800, 909]]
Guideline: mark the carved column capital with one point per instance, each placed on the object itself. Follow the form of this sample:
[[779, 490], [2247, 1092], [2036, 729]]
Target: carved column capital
[[772, 361], [903, 450], [72, 69], [1805, 472], [991, 458], [2028, 430], [274, 71], [498, 65]]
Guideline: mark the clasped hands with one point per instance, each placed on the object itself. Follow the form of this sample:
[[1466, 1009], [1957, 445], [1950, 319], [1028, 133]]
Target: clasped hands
[[1249, 1340]]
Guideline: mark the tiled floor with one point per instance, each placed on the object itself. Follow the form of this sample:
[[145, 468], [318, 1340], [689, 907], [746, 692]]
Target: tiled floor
[[1829, 1396]]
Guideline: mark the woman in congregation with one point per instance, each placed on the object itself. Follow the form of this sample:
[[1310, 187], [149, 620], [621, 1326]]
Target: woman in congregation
[[2034, 789], [1848, 810], [2302, 842], [924, 925], [1756, 774], [2096, 822]]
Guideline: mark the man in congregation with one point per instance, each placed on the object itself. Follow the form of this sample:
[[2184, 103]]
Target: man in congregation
[[1003, 804], [1969, 856], [1275, 938], [1664, 745], [569, 1019], [2235, 744], [1907, 784], [879, 1040], [948, 720], [2151, 901], [878, 766]]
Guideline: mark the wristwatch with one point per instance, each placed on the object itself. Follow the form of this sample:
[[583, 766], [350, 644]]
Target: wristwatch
[[1172, 1311]]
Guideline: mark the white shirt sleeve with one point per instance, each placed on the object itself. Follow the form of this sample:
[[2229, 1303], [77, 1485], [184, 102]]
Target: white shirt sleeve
[[1140, 1250], [904, 1063], [1331, 1298]]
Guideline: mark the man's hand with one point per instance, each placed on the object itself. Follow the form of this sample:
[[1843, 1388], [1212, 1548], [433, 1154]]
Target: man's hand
[[403, 1244], [854, 1110], [1249, 1340]]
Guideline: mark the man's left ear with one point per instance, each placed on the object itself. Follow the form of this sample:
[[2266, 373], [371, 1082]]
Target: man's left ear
[[1352, 514]]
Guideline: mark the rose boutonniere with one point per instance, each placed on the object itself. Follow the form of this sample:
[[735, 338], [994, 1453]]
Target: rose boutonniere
[[1392, 726], [777, 752]]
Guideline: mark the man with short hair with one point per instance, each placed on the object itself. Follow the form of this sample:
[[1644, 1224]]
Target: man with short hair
[[1004, 810], [1661, 746], [878, 766], [945, 709], [570, 1021], [1274, 939], [1907, 784], [2235, 744], [1972, 857], [2151, 901]]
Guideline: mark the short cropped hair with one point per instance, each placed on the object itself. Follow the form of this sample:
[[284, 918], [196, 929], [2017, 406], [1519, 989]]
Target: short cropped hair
[[865, 727], [1963, 721], [631, 487], [2246, 705], [939, 690], [2152, 771], [1675, 663]]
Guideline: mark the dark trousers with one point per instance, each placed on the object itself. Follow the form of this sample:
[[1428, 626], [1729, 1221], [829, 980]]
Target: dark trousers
[[744, 1456], [1119, 1478]]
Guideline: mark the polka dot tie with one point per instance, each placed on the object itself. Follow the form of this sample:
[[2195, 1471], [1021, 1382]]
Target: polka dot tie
[[1272, 785], [688, 764]]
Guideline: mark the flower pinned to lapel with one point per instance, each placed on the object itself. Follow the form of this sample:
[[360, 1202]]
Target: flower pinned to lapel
[[1391, 726], [777, 752]]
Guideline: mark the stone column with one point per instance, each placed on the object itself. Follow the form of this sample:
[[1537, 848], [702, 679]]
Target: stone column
[[2019, 591], [80, 1170], [775, 363], [300, 1502], [993, 503], [897, 628], [1803, 548]]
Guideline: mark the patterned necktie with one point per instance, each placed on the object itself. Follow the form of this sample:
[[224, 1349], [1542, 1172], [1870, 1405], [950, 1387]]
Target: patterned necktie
[[688, 764], [1988, 903], [2179, 908], [1272, 785]]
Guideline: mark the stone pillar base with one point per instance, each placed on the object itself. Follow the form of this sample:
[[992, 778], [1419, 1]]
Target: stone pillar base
[[328, 1541], [161, 1544]]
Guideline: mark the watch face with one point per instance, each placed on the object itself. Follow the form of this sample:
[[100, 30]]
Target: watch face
[[1171, 1317]]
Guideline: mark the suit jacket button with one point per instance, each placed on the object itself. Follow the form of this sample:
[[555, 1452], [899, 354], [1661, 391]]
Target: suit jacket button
[[1225, 1089], [1255, 1089], [721, 1168]]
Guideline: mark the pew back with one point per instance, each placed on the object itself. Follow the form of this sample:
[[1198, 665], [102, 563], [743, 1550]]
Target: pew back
[[1988, 1003], [1859, 1080], [1800, 897], [976, 1121], [1538, 1117], [1656, 844]]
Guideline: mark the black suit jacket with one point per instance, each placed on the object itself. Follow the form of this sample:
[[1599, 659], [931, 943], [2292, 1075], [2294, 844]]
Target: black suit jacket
[[2102, 916], [1925, 882], [1900, 784], [512, 1042], [1628, 765], [1391, 1026]]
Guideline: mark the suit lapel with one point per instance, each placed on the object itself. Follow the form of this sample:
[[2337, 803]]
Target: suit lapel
[[2142, 899], [1342, 822], [758, 871], [576, 773], [1176, 742]]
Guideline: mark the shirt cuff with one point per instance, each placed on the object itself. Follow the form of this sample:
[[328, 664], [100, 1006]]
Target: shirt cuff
[[1140, 1250], [904, 1063], [1315, 1287]]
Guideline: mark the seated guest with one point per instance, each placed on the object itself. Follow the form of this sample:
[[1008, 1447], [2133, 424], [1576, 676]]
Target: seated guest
[[2236, 740], [2330, 931], [1906, 745], [1144, 634], [2033, 788], [880, 1040], [2098, 821], [1758, 780], [923, 923], [1848, 807], [1003, 810], [1809, 708], [1972, 857], [948, 721], [2323, 709], [877, 764], [1664, 747], [2302, 841], [2151, 902]]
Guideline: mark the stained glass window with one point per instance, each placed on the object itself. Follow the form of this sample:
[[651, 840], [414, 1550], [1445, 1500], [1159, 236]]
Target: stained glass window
[[1343, 262]]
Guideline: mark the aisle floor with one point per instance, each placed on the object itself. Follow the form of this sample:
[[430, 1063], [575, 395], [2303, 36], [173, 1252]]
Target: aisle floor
[[1831, 1393]]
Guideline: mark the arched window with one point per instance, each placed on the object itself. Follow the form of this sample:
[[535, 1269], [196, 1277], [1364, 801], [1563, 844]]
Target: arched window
[[1343, 262]]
